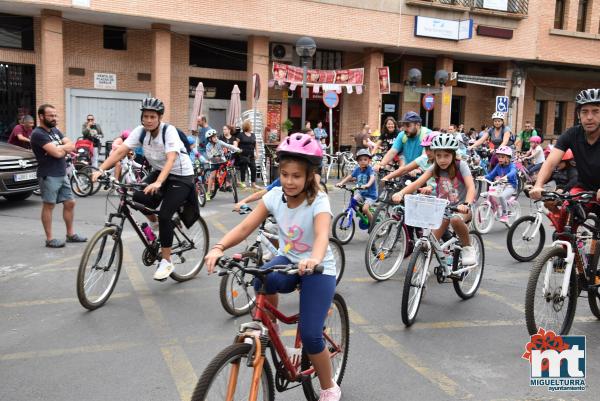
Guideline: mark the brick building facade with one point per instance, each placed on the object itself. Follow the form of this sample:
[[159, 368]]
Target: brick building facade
[[545, 59]]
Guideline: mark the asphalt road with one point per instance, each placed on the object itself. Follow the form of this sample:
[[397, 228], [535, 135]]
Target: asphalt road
[[152, 340]]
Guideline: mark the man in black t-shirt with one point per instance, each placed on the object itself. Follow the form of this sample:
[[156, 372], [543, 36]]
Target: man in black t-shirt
[[584, 142], [50, 148]]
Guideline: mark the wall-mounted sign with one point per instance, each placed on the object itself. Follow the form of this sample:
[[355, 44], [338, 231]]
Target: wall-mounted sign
[[384, 80], [105, 81], [81, 3], [501, 5], [389, 108], [443, 28]]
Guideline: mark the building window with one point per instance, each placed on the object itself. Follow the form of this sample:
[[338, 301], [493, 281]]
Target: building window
[[218, 53], [327, 60], [540, 116], [582, 15], [559, 14], [115, 37], [16, 32], [559, 117], [394, 61]]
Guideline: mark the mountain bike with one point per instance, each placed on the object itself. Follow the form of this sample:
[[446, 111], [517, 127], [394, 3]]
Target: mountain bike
[[428, 212], [490, 210], [225, 176], [242, 371], [236, 292], [566, 268], [102, 258], [343, 223]]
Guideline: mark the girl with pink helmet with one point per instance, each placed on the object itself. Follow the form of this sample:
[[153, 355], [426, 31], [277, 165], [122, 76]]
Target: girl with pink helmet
[[303, 216], [505, 169], [535, 154]]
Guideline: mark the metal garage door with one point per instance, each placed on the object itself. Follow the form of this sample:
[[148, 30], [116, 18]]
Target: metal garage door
[[114, 111]]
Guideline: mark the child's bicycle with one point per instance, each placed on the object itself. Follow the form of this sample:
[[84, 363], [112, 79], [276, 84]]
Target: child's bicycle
[[242, 372], [225, 175], [524, 179], [490, 210], [236, 291], [428, 212], [343, 223]]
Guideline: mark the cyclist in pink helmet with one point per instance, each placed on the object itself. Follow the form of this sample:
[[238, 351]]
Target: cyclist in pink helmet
[[419, 165], [535, 154], [303, 216], [504, 170]]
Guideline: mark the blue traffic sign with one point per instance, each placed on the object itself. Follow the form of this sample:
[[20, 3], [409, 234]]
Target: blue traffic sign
[[331, 99], [502, 104], [428, 102]]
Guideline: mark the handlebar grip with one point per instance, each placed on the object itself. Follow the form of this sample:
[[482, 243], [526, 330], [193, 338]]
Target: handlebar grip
[[318, 269]]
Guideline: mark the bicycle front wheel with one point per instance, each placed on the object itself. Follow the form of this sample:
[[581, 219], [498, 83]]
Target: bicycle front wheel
[[544, 305], [190, 246], [385, 249], [99, 268], [236, 292], [81, 184], [467, 285], [337, 341], [234, 188], [523, 243], [229, 371], [414, 283], [483, 219], [343, 227], [200, 193], [340, 258]]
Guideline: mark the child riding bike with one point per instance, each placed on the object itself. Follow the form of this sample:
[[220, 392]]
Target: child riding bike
[[215, 151], [504, 170], [535, 154], [303, 216], [454, 183], [365, 178]]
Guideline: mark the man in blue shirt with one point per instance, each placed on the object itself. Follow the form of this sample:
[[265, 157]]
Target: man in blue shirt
[[408, 142], [203, 128]]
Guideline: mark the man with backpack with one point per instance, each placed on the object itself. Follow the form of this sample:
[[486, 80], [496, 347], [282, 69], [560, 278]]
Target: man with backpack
[[172, 179]]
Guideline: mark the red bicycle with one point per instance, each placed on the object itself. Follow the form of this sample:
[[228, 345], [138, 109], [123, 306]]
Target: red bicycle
[[242, 372], [225, 178]]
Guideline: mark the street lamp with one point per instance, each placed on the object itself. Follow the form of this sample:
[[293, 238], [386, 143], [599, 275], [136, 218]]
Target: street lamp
[[414, 77], [306, 48]]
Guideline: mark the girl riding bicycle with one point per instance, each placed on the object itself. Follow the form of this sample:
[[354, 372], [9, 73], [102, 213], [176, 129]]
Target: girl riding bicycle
[[215, 151], [504, 170], [454, 183], [303, 215]]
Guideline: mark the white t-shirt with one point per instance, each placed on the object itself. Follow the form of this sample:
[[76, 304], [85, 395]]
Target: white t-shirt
[[538, 155], [156, 152], [296, 227]]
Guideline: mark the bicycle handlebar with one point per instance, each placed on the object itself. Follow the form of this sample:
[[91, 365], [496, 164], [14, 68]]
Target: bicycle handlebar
[[228, 263], [109, 181]]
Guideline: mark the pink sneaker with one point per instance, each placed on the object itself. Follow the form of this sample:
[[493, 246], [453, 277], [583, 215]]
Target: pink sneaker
[[331, 394], [504, 218]]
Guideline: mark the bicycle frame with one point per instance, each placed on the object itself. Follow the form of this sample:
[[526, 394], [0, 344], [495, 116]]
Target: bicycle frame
[[434, 247]]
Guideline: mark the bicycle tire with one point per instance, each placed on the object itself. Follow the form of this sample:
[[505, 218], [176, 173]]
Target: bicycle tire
[[337, 231], [392, 232], [530, 296], [234, 188], [89, 170], [409, 316], [310, 387], [458, 283], [198, 259], [380, 207], [200, 193], [340, 265], [541, 235], [520, 184], [102, 236], [226, 291], [229, 356], [483, 218], [75, 184]]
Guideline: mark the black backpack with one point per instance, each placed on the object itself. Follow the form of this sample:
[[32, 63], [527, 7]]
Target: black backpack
[[182, 137]]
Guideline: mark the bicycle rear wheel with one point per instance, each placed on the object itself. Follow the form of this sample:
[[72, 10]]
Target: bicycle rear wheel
[[544, 307], [234, 188], [337, 339], [468, 284], [190, 246], [214, 384], [385, 249], [340, 258], [416, 275], [200, 193], [99, 268], [523, 244]]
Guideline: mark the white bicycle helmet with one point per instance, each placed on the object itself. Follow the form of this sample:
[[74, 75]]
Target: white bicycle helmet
[[587, 96], [498, 115], [209, 133], [444, 141]]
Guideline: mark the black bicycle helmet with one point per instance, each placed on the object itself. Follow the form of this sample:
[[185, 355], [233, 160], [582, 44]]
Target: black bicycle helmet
[[154, 104], [588, 96]]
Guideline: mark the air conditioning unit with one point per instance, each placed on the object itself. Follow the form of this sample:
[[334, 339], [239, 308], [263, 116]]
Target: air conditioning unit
[[282, 52]]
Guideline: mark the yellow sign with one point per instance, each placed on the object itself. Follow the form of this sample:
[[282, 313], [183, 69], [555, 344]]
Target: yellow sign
[[447, 99]]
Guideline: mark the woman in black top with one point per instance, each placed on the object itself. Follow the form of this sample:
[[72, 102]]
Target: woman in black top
[[247, 143], [389, 132], [228, 135]]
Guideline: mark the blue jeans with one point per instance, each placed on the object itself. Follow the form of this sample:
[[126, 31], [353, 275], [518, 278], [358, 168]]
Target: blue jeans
[[316, 295]]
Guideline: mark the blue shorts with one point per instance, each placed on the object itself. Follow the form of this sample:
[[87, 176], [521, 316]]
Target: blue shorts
[[316, 295], [55, 189]]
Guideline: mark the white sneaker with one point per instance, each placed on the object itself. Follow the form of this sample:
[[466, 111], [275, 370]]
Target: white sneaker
[[331, 394], [165, 268], [469, 256]]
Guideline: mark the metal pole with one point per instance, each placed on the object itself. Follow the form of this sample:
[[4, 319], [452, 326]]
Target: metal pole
[[427, 119], [304, 94], [330, 131]]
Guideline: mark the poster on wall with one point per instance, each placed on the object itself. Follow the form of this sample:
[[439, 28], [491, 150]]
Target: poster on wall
[[384, 80], [354, 76], [273, 120], [328, 79]]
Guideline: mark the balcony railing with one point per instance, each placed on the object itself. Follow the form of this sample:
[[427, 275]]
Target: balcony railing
[[516, 7]]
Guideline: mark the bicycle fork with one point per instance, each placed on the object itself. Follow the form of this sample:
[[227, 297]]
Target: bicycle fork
[[254, 334], [569, 266]]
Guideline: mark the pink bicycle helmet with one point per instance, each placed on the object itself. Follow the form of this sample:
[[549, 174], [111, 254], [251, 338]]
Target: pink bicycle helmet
[[504, 150], [301, 145], [125, 133], [535, 139], [429, 138]]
